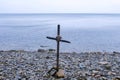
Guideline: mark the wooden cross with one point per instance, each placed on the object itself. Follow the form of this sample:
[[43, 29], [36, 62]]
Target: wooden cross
[[58, 39]]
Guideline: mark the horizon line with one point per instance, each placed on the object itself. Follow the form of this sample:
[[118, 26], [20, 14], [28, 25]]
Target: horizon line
[[59, 13]]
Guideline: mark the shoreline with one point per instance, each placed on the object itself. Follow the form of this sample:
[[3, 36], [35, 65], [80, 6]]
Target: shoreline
[[54, 51], [33, 65]]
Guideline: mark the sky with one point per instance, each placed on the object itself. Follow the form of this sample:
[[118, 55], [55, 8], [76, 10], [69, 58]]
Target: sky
[[59, 6]]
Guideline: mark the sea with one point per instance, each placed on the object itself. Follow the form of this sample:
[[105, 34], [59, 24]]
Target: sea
[[86, 32]]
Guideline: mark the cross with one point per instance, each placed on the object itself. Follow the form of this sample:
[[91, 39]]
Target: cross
[[58, 39]]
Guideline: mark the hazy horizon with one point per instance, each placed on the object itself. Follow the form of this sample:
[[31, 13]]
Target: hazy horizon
[[59, 13], [59, 6]]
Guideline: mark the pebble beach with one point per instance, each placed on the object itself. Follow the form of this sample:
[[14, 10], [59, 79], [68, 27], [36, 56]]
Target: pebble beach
[[34, 65]]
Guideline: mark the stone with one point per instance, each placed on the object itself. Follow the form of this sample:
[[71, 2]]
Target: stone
[[108, 67], [41, 50], [116, 78], [116, 52], [1, 51], [103, 63], [81, 78], [2, 78], [51, 50], [47, 57], [72, 79], [60, 73], [42, 46], [95, 72], [35, 66], [104, 78], [111, 73], [97, 76], [82, 65]]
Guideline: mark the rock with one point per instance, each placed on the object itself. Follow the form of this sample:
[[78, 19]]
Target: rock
[[51, 50], [82, 65], [50, 67], [12, 51], [108, 67], [95, 72], [41, 50], [81, 78], [36, 59], [97, 76], [42, 46], [111, 73], [47, 57], [116, 52], [87, 73], [60, 73], [104, 78], [2, 78], [29, 65], [72, 79], [116, 78], [103, 63], [1, 51], [52, 72]]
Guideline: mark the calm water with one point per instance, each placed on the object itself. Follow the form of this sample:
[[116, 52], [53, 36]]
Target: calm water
[[87, 32]]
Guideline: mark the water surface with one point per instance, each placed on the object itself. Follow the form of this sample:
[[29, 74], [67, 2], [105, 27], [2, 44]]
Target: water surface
[[87, 32]]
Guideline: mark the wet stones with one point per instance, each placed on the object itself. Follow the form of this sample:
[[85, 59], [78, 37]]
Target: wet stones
[[60, 73], [47, 57], [81, 78], [116, 52], [1, 51], [116, 78], [95, 72], [84, 66], [103, 63], [52, 50], [111, 73], [48, 51], [108, 67], [41, 50], [2, 78]]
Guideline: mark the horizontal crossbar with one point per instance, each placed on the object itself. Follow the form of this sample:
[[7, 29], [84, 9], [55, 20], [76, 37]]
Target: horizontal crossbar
[[60, 40]]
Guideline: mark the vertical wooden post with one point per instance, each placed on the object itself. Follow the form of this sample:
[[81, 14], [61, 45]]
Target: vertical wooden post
[[58, 45]]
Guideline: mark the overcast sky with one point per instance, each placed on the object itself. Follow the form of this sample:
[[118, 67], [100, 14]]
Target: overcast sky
[[59, 6]]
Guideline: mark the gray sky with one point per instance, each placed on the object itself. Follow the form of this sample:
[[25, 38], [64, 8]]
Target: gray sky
[[59, 6]]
